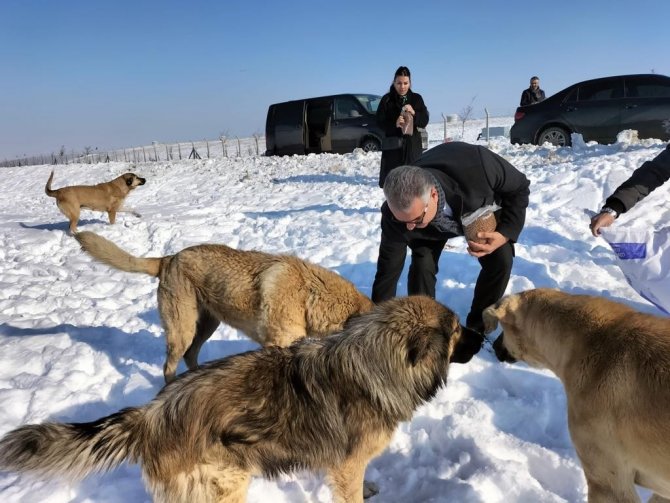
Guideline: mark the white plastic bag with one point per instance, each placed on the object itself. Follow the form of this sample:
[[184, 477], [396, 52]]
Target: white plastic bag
[[408, 127], [644, 258]]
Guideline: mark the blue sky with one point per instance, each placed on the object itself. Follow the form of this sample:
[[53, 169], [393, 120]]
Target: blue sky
[[111, 74]]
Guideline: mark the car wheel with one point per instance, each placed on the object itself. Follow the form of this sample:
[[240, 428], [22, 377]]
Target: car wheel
[[554, 135], [370, 145]]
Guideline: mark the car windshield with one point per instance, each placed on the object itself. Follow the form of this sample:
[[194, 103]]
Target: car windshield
[[369, 101]]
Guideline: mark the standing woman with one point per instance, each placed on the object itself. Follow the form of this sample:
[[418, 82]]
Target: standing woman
[[398, 109]]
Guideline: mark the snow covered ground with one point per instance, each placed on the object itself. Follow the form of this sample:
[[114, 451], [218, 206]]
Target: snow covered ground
[[79, 341]]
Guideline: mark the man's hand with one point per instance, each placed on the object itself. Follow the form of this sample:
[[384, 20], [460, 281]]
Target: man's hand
[[602, 219], [494, 240]]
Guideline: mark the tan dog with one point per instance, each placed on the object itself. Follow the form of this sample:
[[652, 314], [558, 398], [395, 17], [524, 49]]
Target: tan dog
[[108, 196], [614, 363], [273, 299], [327, 405]]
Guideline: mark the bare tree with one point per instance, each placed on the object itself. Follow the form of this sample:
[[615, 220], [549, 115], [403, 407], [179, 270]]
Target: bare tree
[[466, 114]]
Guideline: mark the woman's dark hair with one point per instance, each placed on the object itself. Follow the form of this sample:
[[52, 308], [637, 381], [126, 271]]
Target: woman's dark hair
[[402, 71]]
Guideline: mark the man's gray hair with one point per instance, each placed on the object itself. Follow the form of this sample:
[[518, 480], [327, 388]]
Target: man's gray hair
[[405, 183]]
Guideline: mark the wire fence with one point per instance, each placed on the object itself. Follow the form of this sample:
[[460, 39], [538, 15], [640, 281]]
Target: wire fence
[[156, 152]]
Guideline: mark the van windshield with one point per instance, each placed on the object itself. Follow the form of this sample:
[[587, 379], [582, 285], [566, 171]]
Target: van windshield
[[369, 101]]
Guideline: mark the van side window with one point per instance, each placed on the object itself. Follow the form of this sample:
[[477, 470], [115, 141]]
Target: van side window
[[347, 107]]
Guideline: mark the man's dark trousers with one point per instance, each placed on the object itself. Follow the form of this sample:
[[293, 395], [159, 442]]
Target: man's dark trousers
[[422, 277]]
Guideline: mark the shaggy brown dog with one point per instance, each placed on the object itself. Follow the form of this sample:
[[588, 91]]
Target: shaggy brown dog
[[273, 299], [328, 404], [614, 363], [108, 196]]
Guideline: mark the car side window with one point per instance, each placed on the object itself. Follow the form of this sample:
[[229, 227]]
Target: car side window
[[346, 107], [640, 87], [598, 91]]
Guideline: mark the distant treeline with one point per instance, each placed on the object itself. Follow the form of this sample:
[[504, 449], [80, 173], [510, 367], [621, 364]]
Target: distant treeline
[[205, 149]]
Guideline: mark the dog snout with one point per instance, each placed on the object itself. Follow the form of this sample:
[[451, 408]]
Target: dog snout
[[468, 345], [141, 181], [501, 351]]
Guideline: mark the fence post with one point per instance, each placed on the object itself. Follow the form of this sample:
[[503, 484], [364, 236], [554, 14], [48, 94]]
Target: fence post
[[223, 146]]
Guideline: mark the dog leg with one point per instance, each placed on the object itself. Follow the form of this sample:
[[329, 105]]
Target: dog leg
[[112, 216], [346, 480], [281, 330], [205, 327], [178, 309], [655, 498], [72, 213], [599, 493], [205, 483], [232, 486]]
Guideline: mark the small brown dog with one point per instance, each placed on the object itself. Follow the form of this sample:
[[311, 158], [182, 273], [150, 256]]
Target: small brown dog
[[614, 363], [273, 299], [108, 196]]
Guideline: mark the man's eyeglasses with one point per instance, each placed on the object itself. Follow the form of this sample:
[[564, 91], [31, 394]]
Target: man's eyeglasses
[[416, 221]]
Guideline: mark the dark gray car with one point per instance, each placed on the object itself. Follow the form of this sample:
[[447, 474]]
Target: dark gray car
[[338, 124], [598, 109]]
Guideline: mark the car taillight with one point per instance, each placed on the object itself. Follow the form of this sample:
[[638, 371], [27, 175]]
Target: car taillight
[[518, 116]]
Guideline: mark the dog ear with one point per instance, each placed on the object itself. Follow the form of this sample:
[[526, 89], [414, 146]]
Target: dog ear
[[418, 343], [490, 317]]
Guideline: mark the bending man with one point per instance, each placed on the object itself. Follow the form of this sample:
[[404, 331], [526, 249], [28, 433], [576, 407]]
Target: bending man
[[423, 209]]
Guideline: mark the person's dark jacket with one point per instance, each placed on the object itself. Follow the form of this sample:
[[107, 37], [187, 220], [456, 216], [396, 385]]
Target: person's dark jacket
[[472, 177], [651, 175], [530, 96], [387, 114]]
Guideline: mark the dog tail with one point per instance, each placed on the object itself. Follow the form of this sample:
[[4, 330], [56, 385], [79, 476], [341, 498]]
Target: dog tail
[[47, 189], [108, 253], [73, 450]]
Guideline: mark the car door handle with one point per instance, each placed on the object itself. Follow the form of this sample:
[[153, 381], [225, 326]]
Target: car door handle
[[627, 107], [571, 109]]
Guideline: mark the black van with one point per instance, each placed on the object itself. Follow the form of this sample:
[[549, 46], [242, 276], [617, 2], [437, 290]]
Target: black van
[[337, 124]]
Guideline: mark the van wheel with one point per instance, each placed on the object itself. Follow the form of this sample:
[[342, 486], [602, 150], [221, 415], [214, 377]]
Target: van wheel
[[556, 136], [370, 145]]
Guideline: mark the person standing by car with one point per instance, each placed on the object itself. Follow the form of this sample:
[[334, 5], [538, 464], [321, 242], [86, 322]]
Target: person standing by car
[[533, 94], [423, 209], [651, 175], [401, 111]]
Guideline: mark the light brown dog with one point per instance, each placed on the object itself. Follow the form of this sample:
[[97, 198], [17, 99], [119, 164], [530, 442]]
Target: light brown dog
[[328, 405], [108, 196], [273, 299], [614, 363]]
